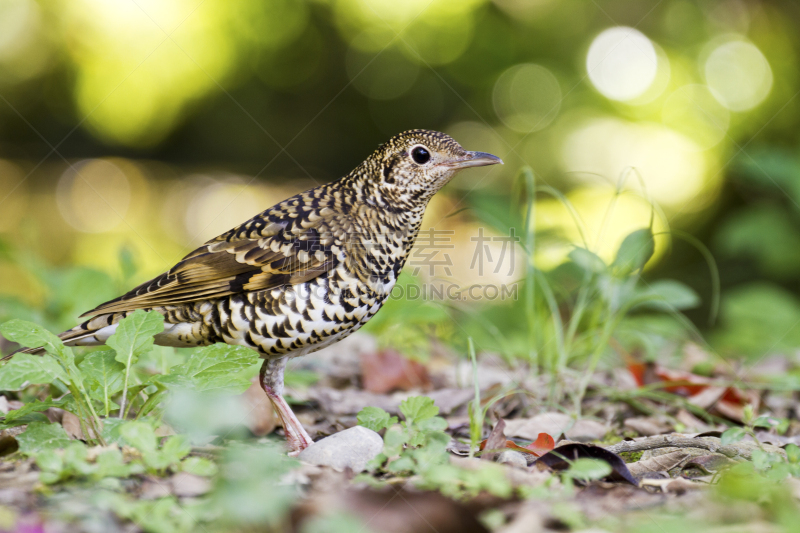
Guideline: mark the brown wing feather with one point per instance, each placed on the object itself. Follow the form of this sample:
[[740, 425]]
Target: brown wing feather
[[270, 250]]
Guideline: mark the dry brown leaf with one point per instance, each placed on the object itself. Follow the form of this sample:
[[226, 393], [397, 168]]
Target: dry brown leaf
[[710, 463], [261, 419], [707, 397], [7, 405], [691, 422], [647, 426], [554, 424], [677, 486], [72, 425], [154, 488], [388, 371], [660, 463], [189, 485], [496, 441], [587, 430]]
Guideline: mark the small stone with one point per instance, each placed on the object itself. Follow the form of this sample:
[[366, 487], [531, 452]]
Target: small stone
[[512, 458], [352, 448]]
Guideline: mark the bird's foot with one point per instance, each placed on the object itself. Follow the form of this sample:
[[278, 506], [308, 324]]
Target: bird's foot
[[271, 379], [296, 436]]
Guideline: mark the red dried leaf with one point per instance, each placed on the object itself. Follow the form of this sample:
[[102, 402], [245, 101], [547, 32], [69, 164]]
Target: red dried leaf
[[729, 404], [388, 371], [543, 444], [637, 370]]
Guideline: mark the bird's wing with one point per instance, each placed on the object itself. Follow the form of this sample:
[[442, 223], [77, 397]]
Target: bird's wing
[[285, 245]]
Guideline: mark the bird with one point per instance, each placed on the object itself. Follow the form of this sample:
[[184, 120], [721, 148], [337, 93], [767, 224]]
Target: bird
[[301, 275]]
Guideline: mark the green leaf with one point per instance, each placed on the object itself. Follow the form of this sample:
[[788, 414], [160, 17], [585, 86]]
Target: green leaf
[[75, 458], [140, 435], [199, 466], [26, 369], [634, 252], [49, 461], [394, 441], [588, 469], [436, 423], [375, 418], [176, 448], [731, 435], [37, 407], [403, 464], [111, 463], [588, 261], [765, 422], [214, 368], [134, 335], [111, 430], [103, 375], [33, 335], [668, 295], [42, 436], [792, 453], [103, 370], [418, 408]]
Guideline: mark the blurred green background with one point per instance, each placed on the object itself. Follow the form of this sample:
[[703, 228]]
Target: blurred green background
[[133, 131]]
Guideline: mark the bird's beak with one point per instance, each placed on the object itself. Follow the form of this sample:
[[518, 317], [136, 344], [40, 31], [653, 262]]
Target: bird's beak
[[475, 159]]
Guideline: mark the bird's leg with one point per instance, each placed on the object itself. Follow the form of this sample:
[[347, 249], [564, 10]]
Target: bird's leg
[[271, 380]]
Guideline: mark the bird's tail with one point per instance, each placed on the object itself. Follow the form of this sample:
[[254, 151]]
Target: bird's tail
[[93, 332]]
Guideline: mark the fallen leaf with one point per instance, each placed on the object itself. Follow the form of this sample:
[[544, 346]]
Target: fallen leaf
[[189, 485], [707, 397], [496, 441], [659, 463], [543, 444], [261, 419], [587, 430], [711, 463], [646, 426], [691, 422], [388, 371], [72, 425], [154, 488], [554, 424], [7, 405], [727, 401], [560, 458], [676, 486]]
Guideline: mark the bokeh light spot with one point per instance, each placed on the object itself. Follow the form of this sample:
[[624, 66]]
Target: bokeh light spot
[[622, 63], [607, 219], [674, 170], [527, 97], [93, 196], [693, 111], [739, 75]]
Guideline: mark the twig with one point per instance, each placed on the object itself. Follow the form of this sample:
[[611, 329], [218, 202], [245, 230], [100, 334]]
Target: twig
[[711, 444]]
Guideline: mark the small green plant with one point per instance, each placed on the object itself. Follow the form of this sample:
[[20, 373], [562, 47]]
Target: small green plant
[[418, 446], [105, 382], [751, 423]]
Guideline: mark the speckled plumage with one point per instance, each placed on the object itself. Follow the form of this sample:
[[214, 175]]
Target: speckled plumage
[[306, 272]]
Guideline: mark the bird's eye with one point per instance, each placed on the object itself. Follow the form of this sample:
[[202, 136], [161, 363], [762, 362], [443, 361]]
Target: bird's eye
[[420, 154]]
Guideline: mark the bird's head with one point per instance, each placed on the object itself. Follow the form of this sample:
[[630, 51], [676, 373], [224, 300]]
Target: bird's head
[[414, 165]]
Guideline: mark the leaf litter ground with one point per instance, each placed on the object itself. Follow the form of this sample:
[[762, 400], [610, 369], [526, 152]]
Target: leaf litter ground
[[654, 450]]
